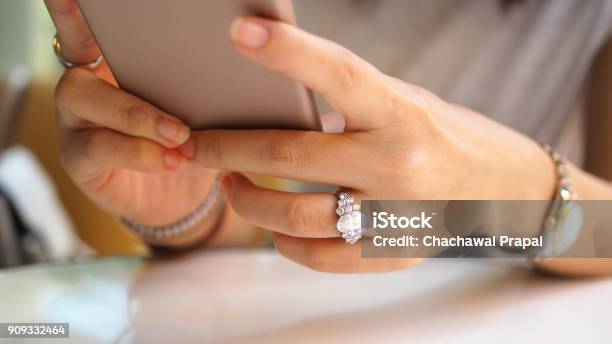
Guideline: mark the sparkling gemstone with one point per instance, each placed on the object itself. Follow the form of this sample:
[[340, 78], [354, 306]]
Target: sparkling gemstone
[[566, 194], [350, 226], [340, 211]]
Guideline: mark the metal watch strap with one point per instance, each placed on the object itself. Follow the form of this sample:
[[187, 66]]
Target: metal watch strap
[[555, 216]]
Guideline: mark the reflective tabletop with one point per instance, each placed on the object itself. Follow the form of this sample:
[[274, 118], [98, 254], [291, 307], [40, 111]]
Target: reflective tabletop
[[260, 297]]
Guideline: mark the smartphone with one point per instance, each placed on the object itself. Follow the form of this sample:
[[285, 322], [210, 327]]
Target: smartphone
[[178, 56]]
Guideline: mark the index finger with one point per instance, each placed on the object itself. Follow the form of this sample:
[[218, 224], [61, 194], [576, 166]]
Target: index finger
[[78, 43], [353, 87], [306, 156]]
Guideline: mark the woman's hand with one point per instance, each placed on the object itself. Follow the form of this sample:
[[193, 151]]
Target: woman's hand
[[399, 142], [129, 157]]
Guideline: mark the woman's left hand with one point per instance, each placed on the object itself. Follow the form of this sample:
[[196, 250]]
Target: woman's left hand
[[399, 142]]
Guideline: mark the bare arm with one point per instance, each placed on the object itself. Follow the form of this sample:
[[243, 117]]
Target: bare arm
[[594, 182]]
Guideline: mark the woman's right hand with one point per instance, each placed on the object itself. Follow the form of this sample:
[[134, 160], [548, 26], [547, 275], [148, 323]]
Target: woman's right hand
[[129, 157]]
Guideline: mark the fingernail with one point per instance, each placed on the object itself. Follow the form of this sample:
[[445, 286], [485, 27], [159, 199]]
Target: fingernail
[[248, 33], [173, 160], [226, 183], [188, 149], [173, 131]]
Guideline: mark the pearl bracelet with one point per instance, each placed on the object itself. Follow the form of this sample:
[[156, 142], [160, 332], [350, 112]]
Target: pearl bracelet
[[181, 227]]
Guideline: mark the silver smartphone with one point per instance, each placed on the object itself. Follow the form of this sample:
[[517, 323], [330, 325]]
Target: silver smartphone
[[178, 56]]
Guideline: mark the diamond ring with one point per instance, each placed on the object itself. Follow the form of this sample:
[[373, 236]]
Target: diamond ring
[[349, 223]]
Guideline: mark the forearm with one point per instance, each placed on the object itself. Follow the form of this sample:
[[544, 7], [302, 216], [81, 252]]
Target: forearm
[[593, 182], [526, 164], [588, 186]]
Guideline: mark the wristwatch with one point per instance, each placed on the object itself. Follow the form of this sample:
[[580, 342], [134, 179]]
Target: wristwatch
[[563, 220]]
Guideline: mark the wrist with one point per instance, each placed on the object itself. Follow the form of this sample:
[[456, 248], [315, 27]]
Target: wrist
[[185, 198], [193, 229], [530, 173], [543, 179], [196, 235]]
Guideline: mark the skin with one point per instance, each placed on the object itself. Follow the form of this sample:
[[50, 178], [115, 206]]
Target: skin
[[398, 141]]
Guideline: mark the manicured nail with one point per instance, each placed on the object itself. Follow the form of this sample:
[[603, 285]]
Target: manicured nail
[[226, 183], [173, 160], [249, 33], [173, 131], [188, 149]]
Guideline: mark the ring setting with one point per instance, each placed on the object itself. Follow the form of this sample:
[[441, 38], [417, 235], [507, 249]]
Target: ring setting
[[349, 223]]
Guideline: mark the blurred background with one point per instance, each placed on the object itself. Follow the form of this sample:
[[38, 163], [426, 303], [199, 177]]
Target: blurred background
[[30, 172], [461, 36], [25, 28]]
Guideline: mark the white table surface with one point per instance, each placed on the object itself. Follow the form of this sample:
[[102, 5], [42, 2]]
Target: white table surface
[[259, 297]]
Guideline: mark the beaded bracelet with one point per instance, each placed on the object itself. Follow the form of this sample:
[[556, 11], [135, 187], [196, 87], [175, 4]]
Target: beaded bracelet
[[181, 227]]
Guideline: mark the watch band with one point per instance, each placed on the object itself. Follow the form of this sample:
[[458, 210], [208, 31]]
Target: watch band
[[555, 241]]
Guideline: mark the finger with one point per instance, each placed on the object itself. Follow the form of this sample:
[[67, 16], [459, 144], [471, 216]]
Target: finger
[[78, 43], [307, 156], [306, 215], [89, 151], [336, 256], [333, 123], [83, 99], [352, 86]]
